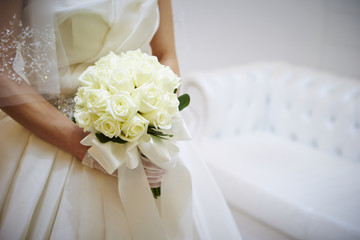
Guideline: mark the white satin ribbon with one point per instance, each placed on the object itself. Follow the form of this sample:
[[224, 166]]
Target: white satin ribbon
[[161, 152], [112, 155], [173, 218]]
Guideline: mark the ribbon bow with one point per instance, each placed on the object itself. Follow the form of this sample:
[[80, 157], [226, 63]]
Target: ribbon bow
[[175, 221]]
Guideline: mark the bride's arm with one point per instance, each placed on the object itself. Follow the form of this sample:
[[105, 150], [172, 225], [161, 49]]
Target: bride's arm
[[163, 43], [30, 109], [44, 120]]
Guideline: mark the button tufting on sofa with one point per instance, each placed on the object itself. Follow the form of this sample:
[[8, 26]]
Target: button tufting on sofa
[[283, 143]]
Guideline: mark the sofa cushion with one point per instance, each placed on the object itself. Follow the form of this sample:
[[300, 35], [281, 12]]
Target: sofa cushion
[[298, 190]]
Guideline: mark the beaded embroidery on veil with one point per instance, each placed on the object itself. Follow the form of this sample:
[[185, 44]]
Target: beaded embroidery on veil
[[22, 47], [23, 60], [28, 53]]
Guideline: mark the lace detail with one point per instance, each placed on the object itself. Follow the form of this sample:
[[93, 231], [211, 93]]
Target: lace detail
[[24, 51], [65, 105]]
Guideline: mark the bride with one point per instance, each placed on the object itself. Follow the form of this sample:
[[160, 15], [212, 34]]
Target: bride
[[46, 191]]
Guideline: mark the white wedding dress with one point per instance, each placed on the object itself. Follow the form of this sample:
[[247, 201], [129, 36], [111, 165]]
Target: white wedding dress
[[46, 193]]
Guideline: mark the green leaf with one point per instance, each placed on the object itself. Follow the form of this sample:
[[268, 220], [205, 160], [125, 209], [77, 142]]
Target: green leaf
[[184, 101], [118, 140], [104, 139], [154, 132], [73, 119], [156, 192]]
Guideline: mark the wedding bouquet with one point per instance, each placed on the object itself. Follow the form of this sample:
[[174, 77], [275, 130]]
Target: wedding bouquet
[[129, 100]]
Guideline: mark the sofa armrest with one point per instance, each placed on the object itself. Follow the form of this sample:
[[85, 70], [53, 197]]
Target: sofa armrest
[[227, 102]]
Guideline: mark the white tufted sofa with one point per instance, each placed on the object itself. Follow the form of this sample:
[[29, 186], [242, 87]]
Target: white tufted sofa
[[283, 142]]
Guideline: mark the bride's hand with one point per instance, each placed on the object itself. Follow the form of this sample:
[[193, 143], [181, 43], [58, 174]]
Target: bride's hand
[[153, 173], [90, 162]]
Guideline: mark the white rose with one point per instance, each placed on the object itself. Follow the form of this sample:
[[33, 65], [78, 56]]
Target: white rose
[[108, 126], [166, 79], [79, 99], [142, 65], [143, 73], [170, 103], [121, 80], [160, 119], [131, 56], [129, 60], [148, 97], [96, 100], [85, 119], [95, 77], [153, 60], [109, 62], [134, 128], [88, 78], [121, 106], [102, 74]]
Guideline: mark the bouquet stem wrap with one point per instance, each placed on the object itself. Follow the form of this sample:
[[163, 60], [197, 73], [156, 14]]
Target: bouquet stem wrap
[[155, 222]]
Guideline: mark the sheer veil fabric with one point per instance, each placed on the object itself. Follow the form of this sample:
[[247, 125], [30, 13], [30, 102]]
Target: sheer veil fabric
[[46, 193]]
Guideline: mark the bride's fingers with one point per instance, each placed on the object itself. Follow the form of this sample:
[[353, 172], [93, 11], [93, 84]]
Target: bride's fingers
[[155, 185], [154, 180], [148, 163], [97, 166], [90, 162], [154, 173]]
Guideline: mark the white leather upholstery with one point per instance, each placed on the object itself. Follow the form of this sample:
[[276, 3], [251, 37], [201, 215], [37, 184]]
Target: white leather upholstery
[[304, 193], [283, 143], [303, 105], [317, 109]]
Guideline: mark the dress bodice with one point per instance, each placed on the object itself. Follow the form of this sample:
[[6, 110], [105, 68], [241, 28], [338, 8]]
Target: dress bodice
[[86, 30]]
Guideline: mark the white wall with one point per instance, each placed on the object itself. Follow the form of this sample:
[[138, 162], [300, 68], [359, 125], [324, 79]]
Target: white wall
[[321, 34]]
